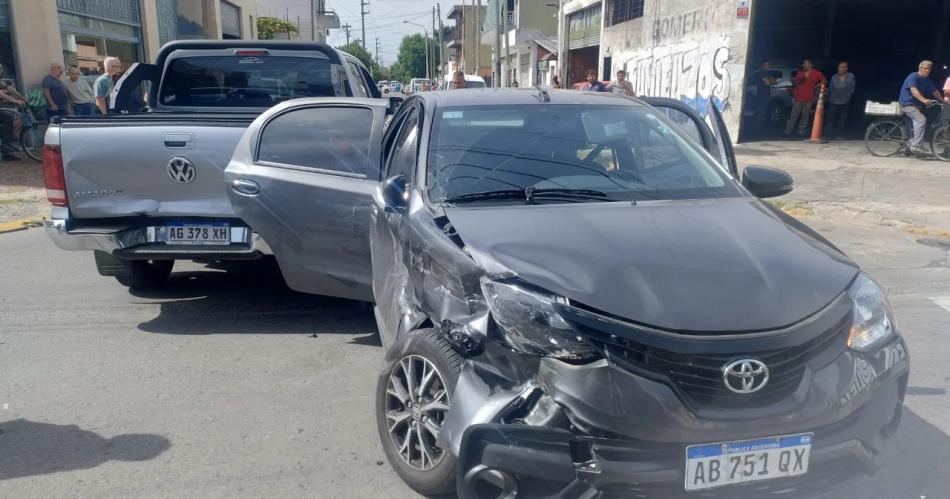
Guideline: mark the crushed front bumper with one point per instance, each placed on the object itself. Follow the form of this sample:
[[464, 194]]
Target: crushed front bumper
[[628, 435], [147, 241]]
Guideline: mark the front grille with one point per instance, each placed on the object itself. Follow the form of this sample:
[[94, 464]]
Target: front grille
[[698, 377]]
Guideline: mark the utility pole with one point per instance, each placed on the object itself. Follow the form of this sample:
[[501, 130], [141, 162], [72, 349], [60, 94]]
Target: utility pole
[[507, 45], [313, 22], [347, 28], [438, 8], [377, 52], [496, 54], [363, 12], [435, 73], [478, 37]]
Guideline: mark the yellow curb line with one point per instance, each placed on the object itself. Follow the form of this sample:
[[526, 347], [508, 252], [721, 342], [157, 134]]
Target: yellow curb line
[[20, 225]]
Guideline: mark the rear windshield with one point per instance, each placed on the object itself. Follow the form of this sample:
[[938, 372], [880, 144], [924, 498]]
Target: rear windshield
[[623, 153], [242, 81]]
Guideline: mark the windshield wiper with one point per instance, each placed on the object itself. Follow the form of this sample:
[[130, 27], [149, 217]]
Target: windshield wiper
[[531, 194]]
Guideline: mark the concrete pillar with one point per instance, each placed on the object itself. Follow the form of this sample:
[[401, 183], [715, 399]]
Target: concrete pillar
[[35, 27], [150, 40]]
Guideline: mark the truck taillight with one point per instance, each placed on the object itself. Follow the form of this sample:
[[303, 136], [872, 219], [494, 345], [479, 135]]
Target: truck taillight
[[54, 178]]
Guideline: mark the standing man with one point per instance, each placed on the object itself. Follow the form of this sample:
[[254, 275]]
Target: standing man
[[593, 85], [621, 85], [841, 90], [11, 102], [103, 86], [57, 101], [81, 97], [915, 96], [803, 93], [762, 82]]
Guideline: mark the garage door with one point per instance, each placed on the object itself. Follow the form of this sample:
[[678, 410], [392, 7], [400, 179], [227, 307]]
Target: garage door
[[584, 28], [230, 20]]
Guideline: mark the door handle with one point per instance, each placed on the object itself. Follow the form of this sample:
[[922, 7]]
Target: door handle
[[245, 187]]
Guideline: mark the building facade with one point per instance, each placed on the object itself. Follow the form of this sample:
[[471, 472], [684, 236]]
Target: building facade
[[522, 42], [312, 17], [37, 33], [469, 54]]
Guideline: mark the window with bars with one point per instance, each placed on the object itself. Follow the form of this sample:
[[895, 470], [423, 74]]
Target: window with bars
[[619, 11]]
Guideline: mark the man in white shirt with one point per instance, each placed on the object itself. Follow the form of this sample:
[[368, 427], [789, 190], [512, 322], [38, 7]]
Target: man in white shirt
[[621, 85]]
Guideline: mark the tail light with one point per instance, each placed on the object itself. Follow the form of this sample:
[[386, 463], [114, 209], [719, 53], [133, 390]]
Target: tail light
[[54, 178]]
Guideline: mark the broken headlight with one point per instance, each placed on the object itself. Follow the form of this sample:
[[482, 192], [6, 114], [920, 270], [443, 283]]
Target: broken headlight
[[872, 321], [530, 323]]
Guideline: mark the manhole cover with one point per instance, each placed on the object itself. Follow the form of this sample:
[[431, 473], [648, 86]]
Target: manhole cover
[[935, 243]]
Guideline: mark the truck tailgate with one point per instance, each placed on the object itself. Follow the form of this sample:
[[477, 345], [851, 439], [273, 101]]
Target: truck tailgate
[[150, 164]]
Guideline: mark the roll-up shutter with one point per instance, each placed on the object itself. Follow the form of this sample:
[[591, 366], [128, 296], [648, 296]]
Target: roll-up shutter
[[230, 20], [584, 27]]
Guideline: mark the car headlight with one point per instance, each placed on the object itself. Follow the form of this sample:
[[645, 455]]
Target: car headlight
[[530, 323], [872, 318]]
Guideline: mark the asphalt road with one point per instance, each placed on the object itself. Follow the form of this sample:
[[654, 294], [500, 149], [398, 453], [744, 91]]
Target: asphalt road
[[227, 384]]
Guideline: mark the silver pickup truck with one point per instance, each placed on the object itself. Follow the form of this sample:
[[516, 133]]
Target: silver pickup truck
[[145, 189]]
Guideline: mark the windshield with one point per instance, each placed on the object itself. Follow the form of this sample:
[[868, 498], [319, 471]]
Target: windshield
[[240, 81], [620, 153]]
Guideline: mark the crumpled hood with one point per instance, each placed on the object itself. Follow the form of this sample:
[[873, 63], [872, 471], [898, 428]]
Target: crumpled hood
[[725, 265]]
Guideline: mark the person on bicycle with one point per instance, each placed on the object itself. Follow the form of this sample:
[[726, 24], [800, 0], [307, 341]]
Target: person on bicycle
[[11, 102], [915, 96]]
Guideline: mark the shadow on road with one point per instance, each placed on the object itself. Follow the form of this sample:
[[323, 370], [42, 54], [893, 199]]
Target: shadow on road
[[250, 299], [28, 448]]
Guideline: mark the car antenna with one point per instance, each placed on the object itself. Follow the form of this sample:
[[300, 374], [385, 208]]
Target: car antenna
[[542, 94]]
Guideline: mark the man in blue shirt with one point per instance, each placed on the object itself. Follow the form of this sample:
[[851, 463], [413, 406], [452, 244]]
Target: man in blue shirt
[[915, 97]]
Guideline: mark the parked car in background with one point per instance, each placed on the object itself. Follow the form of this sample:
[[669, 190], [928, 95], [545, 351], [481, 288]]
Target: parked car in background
[[419, 85], [574, 298], [150, 191], [471, 81]]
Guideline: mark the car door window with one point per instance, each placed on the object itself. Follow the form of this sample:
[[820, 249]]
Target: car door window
[[685, 122], [333, 139], [402, 160], [359, 83]]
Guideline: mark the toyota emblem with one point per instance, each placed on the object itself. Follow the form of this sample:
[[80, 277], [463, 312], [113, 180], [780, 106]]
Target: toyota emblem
[[745, 376], [181, 170]]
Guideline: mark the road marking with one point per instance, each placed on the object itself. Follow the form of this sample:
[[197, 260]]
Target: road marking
[[20, 224], [942, 301]]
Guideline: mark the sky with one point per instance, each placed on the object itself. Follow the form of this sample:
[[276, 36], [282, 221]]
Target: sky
[[385, 20]]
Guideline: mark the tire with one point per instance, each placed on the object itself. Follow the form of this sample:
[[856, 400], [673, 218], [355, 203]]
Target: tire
[[422, 349], [885, 138], [940, 143], [146, 273], [32, 143], [776, 114]]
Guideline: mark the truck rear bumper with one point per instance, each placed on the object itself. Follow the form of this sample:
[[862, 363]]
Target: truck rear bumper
[[148, 242]]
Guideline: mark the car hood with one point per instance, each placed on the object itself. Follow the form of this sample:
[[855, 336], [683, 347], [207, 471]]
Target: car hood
[[728, 265]]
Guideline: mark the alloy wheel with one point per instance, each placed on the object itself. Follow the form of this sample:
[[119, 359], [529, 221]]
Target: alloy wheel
[[416, 404]]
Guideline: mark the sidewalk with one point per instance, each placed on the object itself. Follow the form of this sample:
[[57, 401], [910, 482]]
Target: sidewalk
[[22, 195], [841, 180]]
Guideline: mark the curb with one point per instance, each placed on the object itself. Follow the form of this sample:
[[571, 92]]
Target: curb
[[18, 225]]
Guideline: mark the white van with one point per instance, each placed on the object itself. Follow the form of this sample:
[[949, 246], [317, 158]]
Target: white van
[[471, 81]]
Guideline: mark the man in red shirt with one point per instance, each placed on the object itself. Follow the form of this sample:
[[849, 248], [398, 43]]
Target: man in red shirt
[[803, 93]]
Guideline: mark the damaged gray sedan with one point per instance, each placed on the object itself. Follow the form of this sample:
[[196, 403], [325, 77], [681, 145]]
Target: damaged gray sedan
[[578, 296]]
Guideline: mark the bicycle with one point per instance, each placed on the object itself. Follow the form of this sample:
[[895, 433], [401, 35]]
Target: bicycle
[[891, 134], [28, 131]]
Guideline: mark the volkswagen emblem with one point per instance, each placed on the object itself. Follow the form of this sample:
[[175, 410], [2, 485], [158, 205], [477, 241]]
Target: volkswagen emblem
[[181, 170], [745, 376]]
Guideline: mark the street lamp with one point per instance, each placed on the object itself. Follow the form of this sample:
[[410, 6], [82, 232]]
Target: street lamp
[[425, 31]]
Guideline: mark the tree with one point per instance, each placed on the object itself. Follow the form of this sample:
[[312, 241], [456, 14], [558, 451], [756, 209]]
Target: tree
[[357, 50], [411, 61], [267, 27]]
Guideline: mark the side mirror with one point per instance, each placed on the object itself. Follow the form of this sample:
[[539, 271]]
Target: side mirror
[[395, 194], [394, 102], [766, 182]]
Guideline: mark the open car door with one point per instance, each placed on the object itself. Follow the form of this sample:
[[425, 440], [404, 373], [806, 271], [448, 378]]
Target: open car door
[[710, 133], [302, 177], [128, 94]]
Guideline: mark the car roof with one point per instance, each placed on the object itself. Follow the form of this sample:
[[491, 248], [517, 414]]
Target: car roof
[[509, 96]]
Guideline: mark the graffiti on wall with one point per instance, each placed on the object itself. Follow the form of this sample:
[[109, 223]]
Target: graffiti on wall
[[696, 72]]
